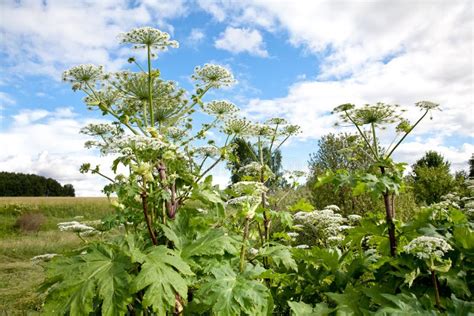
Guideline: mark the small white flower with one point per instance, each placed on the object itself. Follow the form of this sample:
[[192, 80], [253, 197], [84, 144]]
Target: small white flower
[[148, 37], [213, 75], [220, 108], [45, 257], [293, 234], [302, 246], [253, 251], [427, 247]]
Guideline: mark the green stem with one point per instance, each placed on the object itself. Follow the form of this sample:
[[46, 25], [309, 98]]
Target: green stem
[[435, 285], [363, 135], [243, 249], [406, 134], [375, 139], [150, 95]]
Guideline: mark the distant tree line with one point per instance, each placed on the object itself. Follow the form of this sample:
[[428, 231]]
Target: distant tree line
[[20, 184]]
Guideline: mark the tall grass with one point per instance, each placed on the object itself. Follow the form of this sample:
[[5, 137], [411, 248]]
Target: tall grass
[[19, 276]]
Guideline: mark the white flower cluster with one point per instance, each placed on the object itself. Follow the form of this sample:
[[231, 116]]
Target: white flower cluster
[[83, 75], [238, 126], [77, 227], [427, 105], [213, 76], [254, 169], [127, 144], [327, 225], [220, 108], [100, 129], [250, 199], [207, 151], [144, 37], [427, 247], [45, 257], [248, 188], [354, 219]]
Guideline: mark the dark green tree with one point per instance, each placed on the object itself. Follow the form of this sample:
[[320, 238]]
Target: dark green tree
[[243, 154], [20, 184], [431, 178], [471, 167], [335, 152]]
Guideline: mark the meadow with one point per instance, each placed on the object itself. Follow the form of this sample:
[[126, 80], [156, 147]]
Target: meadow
[[19, 276]]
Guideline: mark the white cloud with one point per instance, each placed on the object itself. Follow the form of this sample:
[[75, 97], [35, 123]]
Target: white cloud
[[48, 143], [196, 36], [242, 40], [6, 99], [396, 52], [46, 37]]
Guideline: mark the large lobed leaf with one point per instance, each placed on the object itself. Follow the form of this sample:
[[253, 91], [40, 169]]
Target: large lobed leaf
[[227, 293], [81, 283], [161, 277]]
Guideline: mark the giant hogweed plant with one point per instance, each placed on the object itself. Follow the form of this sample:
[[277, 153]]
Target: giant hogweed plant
[[385, 177], [182, 248]]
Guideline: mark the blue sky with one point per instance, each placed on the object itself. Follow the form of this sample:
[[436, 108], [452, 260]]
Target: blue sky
[[294, 59]]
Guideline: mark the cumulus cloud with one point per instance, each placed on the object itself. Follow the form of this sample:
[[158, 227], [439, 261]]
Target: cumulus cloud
[[242, 40], [196, 36], [395, 52], [56, 34], [48, 143]]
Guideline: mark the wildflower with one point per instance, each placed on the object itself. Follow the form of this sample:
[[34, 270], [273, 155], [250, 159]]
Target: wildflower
[[253, 251], [236, 126], [250, 199], [344, 107], [208, 151], [220, 108], [354, 219], [428, 248], [302, 246], [83, 75], [74, 226], [293, 234], [248, 188], [333, 208], [276, 121], [45, 257], [427, 105], [290, 130], [213, 76], [144, 37]]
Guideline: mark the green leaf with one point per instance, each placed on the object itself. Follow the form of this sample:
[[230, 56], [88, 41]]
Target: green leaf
[[161, 277], [303, 309], [301, 205], [281, 255], [215, 242], [80, 281], [227, 293]]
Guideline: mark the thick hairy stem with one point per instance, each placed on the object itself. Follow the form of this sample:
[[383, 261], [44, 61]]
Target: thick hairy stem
[[389, 215], [243, 249], [435, 285], [172, 204], [147, 218]]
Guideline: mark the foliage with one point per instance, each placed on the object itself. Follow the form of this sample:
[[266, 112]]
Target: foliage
[[242, 157], [431, 178], [19, 184], [337, 152], [180, 245], [384, 177]]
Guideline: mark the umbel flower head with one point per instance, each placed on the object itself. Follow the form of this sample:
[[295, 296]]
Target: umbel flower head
[[83, 75], [237, 126], [428, 248], [144, 37], [220, 108], [377, 114], [213, 75]]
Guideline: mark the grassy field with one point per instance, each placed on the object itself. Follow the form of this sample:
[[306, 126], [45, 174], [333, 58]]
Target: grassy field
[[19, 276]]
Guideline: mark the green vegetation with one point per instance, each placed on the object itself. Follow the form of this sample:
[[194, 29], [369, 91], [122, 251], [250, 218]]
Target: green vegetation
[[19, 184], [177, 244], [19, 276]]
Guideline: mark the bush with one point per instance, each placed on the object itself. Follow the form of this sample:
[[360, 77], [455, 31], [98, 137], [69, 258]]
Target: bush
[[30, 222]]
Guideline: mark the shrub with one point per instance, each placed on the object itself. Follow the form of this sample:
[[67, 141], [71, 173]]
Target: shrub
[[30, 222]]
